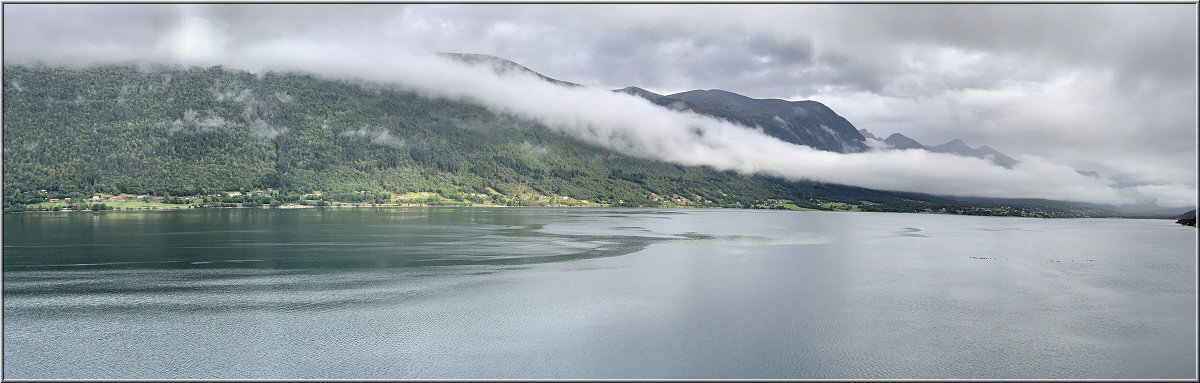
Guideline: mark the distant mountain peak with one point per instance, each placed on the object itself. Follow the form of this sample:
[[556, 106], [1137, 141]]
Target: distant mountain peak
[[997, 157], [955, 144], [900, 141], [633, 90], [501, 65], [868, 134], [637, 90]]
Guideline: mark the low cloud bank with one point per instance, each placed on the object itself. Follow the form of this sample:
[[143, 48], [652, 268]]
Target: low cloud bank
[[636, 127]]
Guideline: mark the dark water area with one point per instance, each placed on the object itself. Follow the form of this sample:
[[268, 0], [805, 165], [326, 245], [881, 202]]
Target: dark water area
[[398, 293]]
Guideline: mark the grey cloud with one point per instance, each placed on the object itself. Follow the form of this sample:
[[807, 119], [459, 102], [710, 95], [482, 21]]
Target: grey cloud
[[758, 65], [75, 33], [1138, 40], [273, 21]]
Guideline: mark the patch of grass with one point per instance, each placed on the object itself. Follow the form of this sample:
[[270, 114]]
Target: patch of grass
[[417, 195], [781, 204], [839, 206], [143, 204], [427, 198], [111, 205], [792, 206]]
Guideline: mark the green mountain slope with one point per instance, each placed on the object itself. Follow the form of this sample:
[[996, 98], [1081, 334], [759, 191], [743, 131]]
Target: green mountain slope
[[113, 129]]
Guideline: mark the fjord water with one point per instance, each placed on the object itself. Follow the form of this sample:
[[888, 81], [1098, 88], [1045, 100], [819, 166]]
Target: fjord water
[[593, 293]]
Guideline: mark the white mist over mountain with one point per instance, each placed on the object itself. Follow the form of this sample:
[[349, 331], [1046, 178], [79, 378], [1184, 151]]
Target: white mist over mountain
[[636, 127]]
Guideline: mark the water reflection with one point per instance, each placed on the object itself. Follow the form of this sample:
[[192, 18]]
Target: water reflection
[[309, 239], [593, 293]]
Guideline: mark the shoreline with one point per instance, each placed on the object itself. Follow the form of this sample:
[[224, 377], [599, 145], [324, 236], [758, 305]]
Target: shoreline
[[290, 207]]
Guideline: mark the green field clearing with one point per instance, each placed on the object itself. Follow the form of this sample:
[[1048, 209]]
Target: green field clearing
[[111, 205]]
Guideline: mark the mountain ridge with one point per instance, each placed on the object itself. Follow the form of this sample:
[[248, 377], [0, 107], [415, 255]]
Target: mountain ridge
[[955, 146], [502, 65], [198, 132], [806, 122], [900, 141]]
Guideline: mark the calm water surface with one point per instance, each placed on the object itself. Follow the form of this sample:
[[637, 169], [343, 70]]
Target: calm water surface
[[593, 293]]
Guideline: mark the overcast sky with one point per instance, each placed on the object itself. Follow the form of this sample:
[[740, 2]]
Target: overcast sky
[[1108, 87]]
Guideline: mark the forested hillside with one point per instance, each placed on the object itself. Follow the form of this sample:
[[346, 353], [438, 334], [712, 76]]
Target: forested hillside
[[74, 132]]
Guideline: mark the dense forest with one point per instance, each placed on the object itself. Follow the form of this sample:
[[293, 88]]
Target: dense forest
[[202, 133]]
